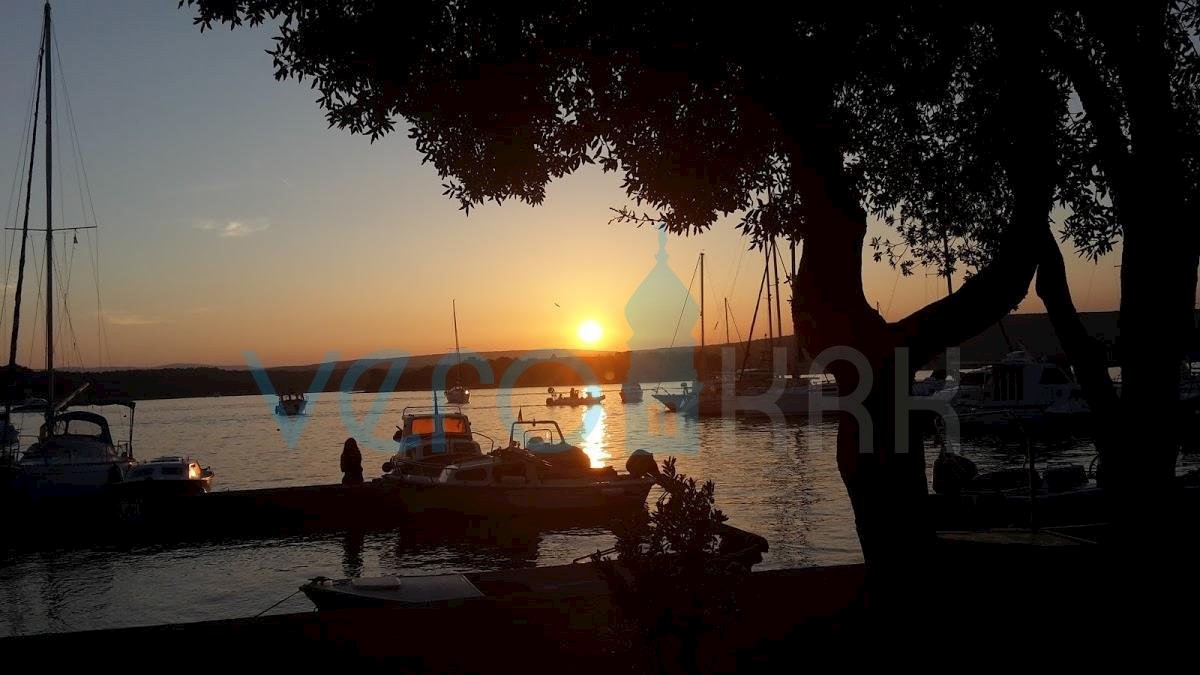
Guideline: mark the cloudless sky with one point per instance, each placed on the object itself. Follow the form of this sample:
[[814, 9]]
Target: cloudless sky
[[232, 218]]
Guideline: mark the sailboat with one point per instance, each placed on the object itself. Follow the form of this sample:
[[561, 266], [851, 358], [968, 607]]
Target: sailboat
[[687, 395], [75, 453], [458, 394]]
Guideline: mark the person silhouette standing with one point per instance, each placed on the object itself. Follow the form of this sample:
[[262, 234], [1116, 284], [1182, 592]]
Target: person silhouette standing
[[352, 472]]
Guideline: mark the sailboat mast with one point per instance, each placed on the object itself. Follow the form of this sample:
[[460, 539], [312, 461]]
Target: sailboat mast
[[16, 325], [703, 357], [767, 272], [46, 62], [457, 352], [726, 320], [778, 297]]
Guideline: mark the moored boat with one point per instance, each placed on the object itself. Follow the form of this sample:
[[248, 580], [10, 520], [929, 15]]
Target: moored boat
[[578, 579], [166, 477], [458, 394], [631, 392], [75, 455], [444, 469]]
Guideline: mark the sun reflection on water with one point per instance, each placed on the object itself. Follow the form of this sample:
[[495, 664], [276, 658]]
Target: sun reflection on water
[[593, 437]]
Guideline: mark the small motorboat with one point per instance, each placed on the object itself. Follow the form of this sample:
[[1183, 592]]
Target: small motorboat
[[577, 579], [574, 398], [390, 591], [458, 395], [440, 467], [631, 392], [291, 405], [166, 477]]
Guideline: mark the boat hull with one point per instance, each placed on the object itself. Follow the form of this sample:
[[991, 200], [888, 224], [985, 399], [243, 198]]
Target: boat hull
[[487, 500], [573, 402], [290, 408], [66, 479]]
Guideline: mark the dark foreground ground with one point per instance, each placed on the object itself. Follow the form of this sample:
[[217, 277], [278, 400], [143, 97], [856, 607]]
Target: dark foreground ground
[[1012, 601]]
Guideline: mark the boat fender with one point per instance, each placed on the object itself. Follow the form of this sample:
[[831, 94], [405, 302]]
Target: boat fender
[[641, 463], [387, 467]]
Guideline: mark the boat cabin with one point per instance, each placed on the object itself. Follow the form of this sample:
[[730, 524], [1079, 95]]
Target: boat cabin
[[432, 434], [81, 434], [544, 438], [167, 468]]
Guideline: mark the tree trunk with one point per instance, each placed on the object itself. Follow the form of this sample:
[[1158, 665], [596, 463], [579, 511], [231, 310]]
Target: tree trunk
[[1086, 355]]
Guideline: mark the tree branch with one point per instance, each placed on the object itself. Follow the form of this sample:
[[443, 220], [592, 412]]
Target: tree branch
[[1101, 111], [1087, 357], [1029, 104]]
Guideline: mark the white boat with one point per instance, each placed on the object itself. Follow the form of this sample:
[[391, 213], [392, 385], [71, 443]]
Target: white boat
[[167, 477], [760, 392], [631, 392], [75, 453], [1020, 388], [290, 405], [390, 591], [673, 401], [443, 468], [458, 394]]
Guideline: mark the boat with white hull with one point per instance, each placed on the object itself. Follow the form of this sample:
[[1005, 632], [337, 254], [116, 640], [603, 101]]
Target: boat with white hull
[[442, 468], [74, 453]]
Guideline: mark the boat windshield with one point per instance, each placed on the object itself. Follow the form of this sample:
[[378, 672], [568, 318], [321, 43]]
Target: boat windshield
[[450, 425]]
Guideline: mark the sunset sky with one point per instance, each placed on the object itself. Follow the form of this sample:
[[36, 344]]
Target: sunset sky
[[233, 219]]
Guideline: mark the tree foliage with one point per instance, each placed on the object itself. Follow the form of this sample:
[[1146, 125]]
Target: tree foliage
[[673, 580]]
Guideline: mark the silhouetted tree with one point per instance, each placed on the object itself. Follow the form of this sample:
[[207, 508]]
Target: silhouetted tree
[[802, 119]]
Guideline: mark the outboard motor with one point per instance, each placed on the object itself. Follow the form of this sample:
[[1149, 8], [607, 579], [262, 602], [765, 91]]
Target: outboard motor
[[951, 473], [641, 463]]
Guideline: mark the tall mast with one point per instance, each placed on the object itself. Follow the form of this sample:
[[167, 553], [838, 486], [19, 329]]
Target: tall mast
[[778, 297], [457, 353], [767, 272], [46, 61], [703, 358], [726, 320], [16, 325]]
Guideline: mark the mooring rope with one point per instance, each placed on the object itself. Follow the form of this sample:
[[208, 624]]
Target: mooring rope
[[289, 597]]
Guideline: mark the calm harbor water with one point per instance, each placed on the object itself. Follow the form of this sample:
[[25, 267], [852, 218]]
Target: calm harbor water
[[780, 481]]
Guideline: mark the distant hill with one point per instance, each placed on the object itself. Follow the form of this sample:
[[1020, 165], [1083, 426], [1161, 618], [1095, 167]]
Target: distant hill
[[1032, 332]]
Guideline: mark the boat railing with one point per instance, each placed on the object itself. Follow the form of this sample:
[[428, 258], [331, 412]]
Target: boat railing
[[491, 441], [534, 425], [449, 409]]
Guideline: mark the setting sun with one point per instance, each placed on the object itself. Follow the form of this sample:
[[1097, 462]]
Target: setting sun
[[590, 332]]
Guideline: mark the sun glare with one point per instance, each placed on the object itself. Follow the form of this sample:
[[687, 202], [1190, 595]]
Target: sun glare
[[590, 332]]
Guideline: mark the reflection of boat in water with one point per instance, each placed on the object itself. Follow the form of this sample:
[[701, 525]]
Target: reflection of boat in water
[[166, 477], [458, 394], [631, 392], [290, 405], [574, 398], [442, 468]]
